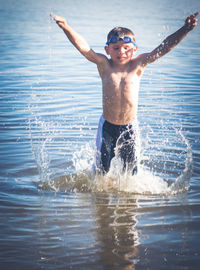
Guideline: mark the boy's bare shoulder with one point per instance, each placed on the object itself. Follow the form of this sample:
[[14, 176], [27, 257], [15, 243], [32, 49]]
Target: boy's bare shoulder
[[101, 58], [103, 63], [140, 59]]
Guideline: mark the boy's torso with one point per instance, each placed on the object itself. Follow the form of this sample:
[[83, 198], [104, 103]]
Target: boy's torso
[[120, 92]]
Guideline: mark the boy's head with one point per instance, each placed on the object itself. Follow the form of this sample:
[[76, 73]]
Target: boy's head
[[118, 33], [121, 45]]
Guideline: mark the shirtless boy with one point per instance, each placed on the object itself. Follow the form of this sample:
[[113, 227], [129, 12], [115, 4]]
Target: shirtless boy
[[120, 75]]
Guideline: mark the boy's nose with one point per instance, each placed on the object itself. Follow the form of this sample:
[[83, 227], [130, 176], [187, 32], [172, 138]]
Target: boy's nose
[[122, 50]]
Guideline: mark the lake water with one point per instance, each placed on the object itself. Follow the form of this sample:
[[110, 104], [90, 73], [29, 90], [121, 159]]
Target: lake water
[[55, 214]]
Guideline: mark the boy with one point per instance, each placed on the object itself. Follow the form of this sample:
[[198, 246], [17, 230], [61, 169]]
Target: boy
[[120, 76]]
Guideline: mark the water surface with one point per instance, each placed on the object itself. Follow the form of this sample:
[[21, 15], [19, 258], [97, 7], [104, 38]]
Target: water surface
[[55, 214]]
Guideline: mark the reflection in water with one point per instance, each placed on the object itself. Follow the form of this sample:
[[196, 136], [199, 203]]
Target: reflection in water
[[116, 221], [93, 231]]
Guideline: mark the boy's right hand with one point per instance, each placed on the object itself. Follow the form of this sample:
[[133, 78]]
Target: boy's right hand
[[61, 22]]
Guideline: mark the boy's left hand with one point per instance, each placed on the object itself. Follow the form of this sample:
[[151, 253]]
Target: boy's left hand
[[191, 21]]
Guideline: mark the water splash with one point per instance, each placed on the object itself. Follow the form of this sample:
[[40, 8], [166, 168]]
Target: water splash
[[148, 180], [39, 147], [182, 182], [164, 167]]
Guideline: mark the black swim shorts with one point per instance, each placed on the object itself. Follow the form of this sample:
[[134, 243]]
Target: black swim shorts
[[116, 140]]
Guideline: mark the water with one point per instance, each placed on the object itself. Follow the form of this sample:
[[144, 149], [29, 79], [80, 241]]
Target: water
[[55, 214]]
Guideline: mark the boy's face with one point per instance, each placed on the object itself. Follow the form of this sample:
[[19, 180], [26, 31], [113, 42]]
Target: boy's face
[[121, 53]]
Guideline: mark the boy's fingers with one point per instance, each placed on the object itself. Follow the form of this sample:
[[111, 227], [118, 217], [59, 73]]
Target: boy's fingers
[[193, 15], [55, 17], [192, 18], [52, 15]]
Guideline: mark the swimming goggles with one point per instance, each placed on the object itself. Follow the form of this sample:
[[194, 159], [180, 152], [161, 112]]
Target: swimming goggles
[[125, 39]]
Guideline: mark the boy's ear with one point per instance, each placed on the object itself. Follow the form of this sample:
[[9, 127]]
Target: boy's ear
[[107, 50]]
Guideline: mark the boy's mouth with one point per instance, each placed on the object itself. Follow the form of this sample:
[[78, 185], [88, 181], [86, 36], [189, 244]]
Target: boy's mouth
[[121, 57]]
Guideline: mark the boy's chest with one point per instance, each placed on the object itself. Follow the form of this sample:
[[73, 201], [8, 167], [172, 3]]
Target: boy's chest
[[121, 79]]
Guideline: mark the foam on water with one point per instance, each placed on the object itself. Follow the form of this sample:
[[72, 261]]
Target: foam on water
[[145, 182]]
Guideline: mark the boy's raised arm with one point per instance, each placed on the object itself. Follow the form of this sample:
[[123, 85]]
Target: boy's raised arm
[[78, 41], [171, 41]]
